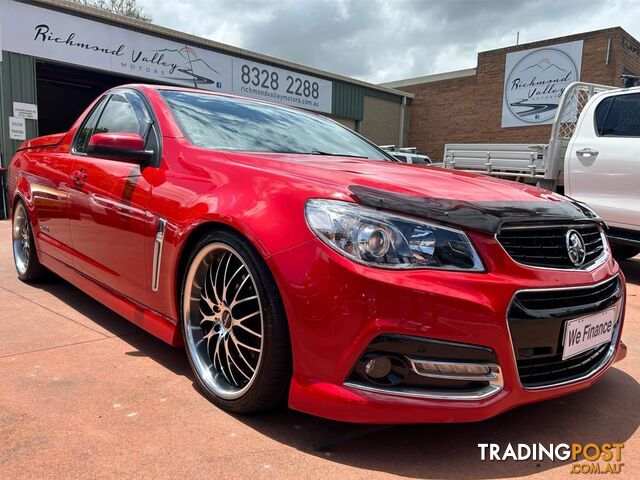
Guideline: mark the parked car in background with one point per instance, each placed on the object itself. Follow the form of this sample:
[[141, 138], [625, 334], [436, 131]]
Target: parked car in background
[[593, 156], [298, 262], [407, 154]]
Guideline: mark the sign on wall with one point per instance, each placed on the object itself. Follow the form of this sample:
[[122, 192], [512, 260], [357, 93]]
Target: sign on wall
[[534, 81], [25, 110], [257, 80], [54, 35], [17, 128]]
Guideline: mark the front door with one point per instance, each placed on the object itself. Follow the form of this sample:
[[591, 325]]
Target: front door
[[604, 161], [109, 223], [49, 178]]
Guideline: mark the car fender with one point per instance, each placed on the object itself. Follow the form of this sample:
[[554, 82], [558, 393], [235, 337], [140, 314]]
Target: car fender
[[22, 191]]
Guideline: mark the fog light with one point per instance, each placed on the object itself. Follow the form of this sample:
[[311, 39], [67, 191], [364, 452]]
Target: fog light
[[378, 367]]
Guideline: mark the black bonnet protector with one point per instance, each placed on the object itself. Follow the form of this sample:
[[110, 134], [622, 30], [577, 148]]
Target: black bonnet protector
[[487, 217]]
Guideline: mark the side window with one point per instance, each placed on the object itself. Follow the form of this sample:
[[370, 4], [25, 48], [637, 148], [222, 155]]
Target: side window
[[623, 117], [86, 129], [119, 116], [601, 113]]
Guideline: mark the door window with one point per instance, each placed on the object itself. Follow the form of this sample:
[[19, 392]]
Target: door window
[[619, 117], [123, 112], [119, 116], [86, 130]]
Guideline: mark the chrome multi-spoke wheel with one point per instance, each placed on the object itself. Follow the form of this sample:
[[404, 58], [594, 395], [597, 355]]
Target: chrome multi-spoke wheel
[[234, 325], [21, 239], [25, 255], [224, 320]]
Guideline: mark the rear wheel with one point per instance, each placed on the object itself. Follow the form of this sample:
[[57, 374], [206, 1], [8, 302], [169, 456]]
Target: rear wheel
[[25, 255], [624, 252], [234, 325]]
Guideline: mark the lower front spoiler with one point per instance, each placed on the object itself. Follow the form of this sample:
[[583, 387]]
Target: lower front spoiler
[[347, 404]]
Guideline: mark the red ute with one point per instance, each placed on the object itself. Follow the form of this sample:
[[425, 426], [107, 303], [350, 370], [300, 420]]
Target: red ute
[[296, 260]]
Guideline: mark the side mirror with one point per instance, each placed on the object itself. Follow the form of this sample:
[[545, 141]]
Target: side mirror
[[126, 147]]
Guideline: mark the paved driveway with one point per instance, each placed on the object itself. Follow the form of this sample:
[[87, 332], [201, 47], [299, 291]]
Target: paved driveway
[[85, 394]]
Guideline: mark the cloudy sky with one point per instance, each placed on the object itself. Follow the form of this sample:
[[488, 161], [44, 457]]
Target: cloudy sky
[[385, 40]]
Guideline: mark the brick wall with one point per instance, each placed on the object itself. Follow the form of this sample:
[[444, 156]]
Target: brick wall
[[381, 133], [469, 109]]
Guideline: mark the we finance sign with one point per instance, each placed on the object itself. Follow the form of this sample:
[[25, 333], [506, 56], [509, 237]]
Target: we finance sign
[[535, 81]]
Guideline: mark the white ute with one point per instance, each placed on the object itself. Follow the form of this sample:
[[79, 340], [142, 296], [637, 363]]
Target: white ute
[[593, 156], [407, 154]]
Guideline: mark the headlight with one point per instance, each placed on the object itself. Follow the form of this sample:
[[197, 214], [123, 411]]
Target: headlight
[[387, 240]]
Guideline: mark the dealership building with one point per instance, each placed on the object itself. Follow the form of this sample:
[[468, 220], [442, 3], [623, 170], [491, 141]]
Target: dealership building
[[511, 94], [57, 56]]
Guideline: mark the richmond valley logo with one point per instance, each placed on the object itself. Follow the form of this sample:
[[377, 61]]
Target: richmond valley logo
[[535, 83]]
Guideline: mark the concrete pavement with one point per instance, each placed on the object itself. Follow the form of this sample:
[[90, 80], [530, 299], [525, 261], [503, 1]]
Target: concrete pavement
[[85, 394]]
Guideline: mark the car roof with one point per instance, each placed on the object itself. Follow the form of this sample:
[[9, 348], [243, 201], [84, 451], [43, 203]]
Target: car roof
[[616, 91]]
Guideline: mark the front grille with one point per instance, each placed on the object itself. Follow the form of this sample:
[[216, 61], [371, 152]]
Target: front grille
[[550, 370], [588, 299], [546, 245], [537, 322]]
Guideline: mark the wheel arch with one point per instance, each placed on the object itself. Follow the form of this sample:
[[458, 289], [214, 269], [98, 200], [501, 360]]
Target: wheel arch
[[191, 239], [276, 376], [22, 192]]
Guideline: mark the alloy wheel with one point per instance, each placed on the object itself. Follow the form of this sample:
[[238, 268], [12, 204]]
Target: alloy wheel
[[224, 321], [21, 239]]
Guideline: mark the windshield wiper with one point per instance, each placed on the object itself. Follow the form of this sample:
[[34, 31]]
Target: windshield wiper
[[320, 152]]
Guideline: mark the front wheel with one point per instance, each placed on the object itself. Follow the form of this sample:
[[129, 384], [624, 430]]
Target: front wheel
[[25, 256], [234, 325]]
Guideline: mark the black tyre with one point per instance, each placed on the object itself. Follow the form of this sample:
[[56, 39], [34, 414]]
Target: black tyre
[[25, 255], [234, 325], [624, 252]]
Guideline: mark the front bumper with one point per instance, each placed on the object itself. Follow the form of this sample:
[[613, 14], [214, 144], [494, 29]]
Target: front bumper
[[336, 308]]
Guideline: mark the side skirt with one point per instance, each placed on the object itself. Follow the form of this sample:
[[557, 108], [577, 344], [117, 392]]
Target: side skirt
[[153, 322]]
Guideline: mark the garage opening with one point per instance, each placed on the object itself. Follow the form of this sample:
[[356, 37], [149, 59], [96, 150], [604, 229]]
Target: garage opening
[[64, 92]]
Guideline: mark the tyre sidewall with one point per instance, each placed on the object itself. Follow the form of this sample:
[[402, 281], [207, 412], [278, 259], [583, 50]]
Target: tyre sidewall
[[34, 271], [272, 314]]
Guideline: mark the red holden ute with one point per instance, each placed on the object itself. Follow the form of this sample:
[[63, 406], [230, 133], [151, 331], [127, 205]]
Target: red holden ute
[[297, 261]]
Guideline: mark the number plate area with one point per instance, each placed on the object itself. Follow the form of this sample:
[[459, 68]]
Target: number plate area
[[585, 333]]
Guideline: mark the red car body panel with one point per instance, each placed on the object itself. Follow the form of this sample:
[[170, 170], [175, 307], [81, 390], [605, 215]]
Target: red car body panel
[[100, 237]]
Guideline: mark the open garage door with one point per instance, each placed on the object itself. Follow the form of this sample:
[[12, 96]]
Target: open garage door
[[64, 92]]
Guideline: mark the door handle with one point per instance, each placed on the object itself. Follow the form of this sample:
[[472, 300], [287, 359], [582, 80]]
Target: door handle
[[587, 153], [79, 177]]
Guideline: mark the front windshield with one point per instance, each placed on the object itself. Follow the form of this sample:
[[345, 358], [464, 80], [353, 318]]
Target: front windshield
[[224, 123]]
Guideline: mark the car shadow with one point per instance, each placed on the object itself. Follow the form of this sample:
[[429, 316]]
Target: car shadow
[[142, 342], [601, 414], [631, 269]]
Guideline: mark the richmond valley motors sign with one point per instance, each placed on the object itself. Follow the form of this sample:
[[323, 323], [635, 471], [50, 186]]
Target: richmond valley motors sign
[[54, 35], [535, 80]]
